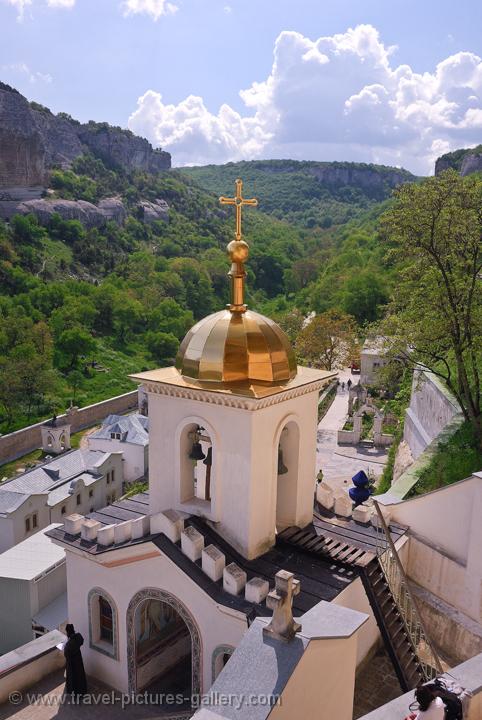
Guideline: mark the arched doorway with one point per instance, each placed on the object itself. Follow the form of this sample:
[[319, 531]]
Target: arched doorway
[[163, 645], [287, 467]]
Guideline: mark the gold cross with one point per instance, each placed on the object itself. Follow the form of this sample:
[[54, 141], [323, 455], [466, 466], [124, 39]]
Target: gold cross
[[238, 201]]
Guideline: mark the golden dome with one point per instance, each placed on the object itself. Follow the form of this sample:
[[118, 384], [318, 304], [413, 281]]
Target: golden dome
[[236, 347]]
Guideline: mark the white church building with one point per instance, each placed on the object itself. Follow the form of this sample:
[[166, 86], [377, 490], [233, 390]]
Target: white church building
[[164, 585]]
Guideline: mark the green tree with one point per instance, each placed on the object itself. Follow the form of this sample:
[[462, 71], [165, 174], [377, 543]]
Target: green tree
[[328, 341], [162, 346], [73, 343], [364, 295], [76, 382], [435, 319]]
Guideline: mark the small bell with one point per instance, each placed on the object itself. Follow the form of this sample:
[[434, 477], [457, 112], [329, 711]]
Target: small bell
[[196, 452], [209, 457], [282, 469]]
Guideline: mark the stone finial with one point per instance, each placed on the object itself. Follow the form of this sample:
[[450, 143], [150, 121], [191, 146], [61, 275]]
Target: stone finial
[[280, 600]]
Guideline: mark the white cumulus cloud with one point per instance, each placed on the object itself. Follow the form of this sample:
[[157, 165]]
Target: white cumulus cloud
[[61, 3], [336, 97], [22, 5], [21, 69], [154, 8]]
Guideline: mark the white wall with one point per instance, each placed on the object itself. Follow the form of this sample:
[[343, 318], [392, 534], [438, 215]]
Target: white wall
[[217, 625], [322, 684], [100, 490], [34, 504], [355, 598], [445, 548], [245, 458], [133, 456]]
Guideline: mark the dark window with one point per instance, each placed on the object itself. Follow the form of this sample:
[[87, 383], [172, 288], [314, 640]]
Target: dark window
[[27, 525], [91, 493], [112, 476], [34, 520], [105, 621], [78, 499], [62, 510]]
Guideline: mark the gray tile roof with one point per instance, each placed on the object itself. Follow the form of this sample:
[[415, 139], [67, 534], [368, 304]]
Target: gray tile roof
[[10, 501], [132, 428], [52, 478]]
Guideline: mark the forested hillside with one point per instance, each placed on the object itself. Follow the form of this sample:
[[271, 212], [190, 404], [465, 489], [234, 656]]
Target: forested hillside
[[309, 194], [82, 305]]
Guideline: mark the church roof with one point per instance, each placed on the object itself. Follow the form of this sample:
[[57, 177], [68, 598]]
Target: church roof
[[56, 478], [321, 578], [133, 429]]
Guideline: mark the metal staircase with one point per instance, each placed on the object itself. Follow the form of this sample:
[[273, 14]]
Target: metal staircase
[[395, 608], [373, 552]]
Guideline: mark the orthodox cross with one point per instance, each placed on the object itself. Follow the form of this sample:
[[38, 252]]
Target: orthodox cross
[[238, 201], [280, 600]]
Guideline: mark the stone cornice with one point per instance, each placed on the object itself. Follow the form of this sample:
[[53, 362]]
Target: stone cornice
[[230, 400]]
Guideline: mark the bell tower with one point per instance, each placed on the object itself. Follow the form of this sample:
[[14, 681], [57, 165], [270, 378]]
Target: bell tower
[[233, 424]]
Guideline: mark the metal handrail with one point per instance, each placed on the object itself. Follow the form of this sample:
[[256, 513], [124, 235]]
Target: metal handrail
[[405, 600]]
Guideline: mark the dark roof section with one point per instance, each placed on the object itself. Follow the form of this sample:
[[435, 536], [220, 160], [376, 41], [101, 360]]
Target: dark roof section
[[129, 509], [321, 578]]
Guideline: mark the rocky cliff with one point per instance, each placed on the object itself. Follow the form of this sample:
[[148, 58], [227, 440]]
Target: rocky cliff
[[464, 161], [360, 175], [33, 140]]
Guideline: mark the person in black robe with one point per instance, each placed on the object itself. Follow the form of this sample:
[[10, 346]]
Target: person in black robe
[[76, 683]]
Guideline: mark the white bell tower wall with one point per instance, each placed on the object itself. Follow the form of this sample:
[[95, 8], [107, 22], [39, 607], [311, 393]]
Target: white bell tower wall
[[249, 501]]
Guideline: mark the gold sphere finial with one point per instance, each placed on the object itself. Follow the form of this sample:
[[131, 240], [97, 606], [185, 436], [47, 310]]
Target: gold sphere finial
[[238, 249]]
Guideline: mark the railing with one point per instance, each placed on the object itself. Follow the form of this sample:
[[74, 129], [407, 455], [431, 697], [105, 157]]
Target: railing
[[398, 583]]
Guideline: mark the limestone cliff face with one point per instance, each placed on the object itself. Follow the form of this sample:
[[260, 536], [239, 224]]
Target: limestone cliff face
[[33, 140], [357, 175], [464, 161], [22, 153], [471, 163], [122, 148], [374, 180]]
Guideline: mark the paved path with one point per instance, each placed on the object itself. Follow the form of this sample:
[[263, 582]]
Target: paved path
[[340, 463]]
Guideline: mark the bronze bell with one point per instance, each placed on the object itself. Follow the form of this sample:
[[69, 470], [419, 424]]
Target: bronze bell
[[196, 451], [209, 457], [282, 469]]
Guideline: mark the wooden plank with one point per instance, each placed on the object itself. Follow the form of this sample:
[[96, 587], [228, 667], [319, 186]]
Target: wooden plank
[[347, 524]]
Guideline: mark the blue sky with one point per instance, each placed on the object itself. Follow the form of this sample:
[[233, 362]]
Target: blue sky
[[188, 60]]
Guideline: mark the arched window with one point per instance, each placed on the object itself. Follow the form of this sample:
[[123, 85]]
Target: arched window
[[221, 656], [102, 623]]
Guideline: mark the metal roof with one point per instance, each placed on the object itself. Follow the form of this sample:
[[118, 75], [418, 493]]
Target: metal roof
[[53, 615], [31, 557], [10, 501], [53, 478], [133, 429]]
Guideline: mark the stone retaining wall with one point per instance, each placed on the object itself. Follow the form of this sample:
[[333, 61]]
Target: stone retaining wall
[[20, 669], [21, 442], [431, 408]]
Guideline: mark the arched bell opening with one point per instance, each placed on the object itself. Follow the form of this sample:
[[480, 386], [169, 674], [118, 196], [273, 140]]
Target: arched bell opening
[[197, 457], [287, 468]]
